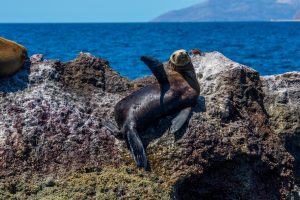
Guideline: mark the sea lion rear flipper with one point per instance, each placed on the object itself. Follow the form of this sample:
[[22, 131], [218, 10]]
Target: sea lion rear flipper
[[180, 119], [157, 68], [137, 149], [112, 128]]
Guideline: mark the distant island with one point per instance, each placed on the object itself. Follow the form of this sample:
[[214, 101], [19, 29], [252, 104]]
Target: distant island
[[297, 17], [235, 10]]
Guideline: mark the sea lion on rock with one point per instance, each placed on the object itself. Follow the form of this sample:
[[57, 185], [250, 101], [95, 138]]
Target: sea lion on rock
[[12, 57], [177, 90]]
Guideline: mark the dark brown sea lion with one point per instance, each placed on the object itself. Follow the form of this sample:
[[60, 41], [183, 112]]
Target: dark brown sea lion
[[177, 90]]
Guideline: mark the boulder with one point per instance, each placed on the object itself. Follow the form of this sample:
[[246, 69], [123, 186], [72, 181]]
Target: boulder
[[53, 144], [12, 57]]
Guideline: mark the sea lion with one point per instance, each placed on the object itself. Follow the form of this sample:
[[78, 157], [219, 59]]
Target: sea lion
[[176, 90], [12, 57]]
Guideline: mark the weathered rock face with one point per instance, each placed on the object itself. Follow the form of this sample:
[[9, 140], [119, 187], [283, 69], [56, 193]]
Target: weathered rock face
[[54, 109], [12, 57], [282, 102], [53, 144]]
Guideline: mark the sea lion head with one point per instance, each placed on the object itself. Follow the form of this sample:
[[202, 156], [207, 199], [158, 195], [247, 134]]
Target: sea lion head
[[180, 58]]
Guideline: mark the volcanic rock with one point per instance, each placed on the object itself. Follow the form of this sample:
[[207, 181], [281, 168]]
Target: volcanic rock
[[236, 145], [282, 94]]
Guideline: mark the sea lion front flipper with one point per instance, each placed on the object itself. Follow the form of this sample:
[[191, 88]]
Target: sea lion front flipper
[[180, 119], [157, 68], [137, 148]]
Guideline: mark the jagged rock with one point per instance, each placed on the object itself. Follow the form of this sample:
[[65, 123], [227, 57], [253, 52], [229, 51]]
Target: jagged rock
[[12, 57], [282, 102], [230, 149], [89, 72]]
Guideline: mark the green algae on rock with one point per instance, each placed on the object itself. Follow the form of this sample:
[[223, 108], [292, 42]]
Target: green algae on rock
[[12, 57], [105, 184]]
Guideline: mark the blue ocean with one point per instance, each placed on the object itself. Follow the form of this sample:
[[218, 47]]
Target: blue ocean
[[269, 47]]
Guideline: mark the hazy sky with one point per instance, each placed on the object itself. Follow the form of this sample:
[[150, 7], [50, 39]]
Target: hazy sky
[[87, 10]]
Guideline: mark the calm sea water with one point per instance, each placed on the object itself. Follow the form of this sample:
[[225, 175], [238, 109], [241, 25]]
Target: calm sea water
[[270, 48]]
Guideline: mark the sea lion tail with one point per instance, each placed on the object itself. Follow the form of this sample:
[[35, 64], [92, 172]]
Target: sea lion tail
[[137, 149]]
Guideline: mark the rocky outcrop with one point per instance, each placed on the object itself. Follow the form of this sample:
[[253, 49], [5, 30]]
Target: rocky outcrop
[[53, 144], [282, 94], [12, 57]]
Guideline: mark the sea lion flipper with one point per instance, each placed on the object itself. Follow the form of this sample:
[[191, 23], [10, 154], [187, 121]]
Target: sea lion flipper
[[151, 62], [137, 149], [157, 68], [112, 128], [180, 119]]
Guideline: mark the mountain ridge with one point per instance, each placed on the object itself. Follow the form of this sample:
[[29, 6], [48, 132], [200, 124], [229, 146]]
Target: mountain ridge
[[297, 16], [234, 10]]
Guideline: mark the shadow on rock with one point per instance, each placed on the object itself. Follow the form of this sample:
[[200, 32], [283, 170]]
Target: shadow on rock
[[200, 107], [160, 127], [244, 177], [292, 145], [17, 82]]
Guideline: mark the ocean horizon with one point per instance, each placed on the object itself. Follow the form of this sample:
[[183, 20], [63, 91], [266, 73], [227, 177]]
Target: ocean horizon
[[269, 47]]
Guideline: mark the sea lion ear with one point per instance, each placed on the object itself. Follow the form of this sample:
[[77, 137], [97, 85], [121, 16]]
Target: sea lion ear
[[172, 58]]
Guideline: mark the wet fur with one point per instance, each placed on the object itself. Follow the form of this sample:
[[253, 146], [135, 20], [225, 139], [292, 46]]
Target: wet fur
[[177, 88], [155, 101]]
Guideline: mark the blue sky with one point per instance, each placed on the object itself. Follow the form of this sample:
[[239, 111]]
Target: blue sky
[[87, 10]]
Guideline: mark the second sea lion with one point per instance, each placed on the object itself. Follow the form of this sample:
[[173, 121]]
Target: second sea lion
[[12, 57]]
